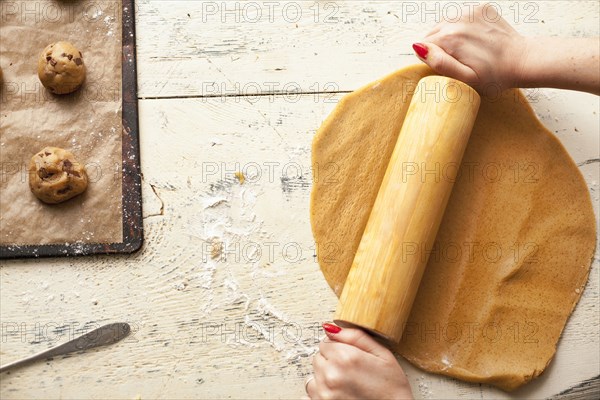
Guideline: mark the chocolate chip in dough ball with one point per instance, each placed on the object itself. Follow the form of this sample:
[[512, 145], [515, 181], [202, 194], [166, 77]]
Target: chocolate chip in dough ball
[[61, 68], [56, 176]]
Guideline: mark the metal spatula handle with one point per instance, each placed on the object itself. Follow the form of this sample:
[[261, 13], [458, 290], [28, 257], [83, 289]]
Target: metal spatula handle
[[105, 335]]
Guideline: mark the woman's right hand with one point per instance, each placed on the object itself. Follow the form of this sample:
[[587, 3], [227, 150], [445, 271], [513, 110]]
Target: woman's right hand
[[480, 49], [484, 51]]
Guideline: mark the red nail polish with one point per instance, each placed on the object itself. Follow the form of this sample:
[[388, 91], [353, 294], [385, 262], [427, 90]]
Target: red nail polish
[[331, 328], [421, 50]]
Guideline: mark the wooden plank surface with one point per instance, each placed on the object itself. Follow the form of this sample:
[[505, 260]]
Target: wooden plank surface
[[242, 321], [193, 48]]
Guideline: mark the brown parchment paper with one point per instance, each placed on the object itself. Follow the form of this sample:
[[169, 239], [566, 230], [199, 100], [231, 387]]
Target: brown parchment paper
[[87, 122]]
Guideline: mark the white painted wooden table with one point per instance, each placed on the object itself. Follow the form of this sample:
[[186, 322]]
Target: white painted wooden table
[[242, 86]]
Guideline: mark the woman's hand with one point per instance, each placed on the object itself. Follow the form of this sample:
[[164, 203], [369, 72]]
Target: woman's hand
[[480, 49], [352, 365], [484, 51]]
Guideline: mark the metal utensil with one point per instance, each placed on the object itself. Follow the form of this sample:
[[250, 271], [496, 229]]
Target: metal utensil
[[105, 335]]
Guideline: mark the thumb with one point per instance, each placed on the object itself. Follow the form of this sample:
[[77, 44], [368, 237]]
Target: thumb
[[444, 64], [357, 338]]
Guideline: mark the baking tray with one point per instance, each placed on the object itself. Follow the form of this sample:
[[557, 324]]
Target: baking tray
[[133, 235]]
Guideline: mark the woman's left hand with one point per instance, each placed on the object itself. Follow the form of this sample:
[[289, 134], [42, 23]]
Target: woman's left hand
[[352, 365]]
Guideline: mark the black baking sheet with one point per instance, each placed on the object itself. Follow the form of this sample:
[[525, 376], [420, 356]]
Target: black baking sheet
[[131, 184]]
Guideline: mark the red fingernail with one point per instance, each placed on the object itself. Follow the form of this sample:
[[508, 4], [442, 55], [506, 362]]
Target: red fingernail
[[421, 50], [331, 328]]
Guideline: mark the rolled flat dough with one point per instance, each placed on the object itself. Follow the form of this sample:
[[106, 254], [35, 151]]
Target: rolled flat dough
[[514, 248]]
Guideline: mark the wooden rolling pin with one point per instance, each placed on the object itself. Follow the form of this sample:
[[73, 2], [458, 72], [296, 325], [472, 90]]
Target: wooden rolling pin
[[401, 230]]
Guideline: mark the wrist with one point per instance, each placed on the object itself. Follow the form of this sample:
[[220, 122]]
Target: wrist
[[525, 61], [404, 394]]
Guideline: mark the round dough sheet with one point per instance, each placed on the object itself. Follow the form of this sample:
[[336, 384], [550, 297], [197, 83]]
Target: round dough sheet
[[514, 248]]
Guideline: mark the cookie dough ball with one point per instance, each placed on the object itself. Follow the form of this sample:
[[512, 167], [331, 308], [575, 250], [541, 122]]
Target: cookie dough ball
[[61, 68], [55, 176]]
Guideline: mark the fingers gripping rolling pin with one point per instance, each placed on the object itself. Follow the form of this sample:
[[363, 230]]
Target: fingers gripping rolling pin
[[401, 230]]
